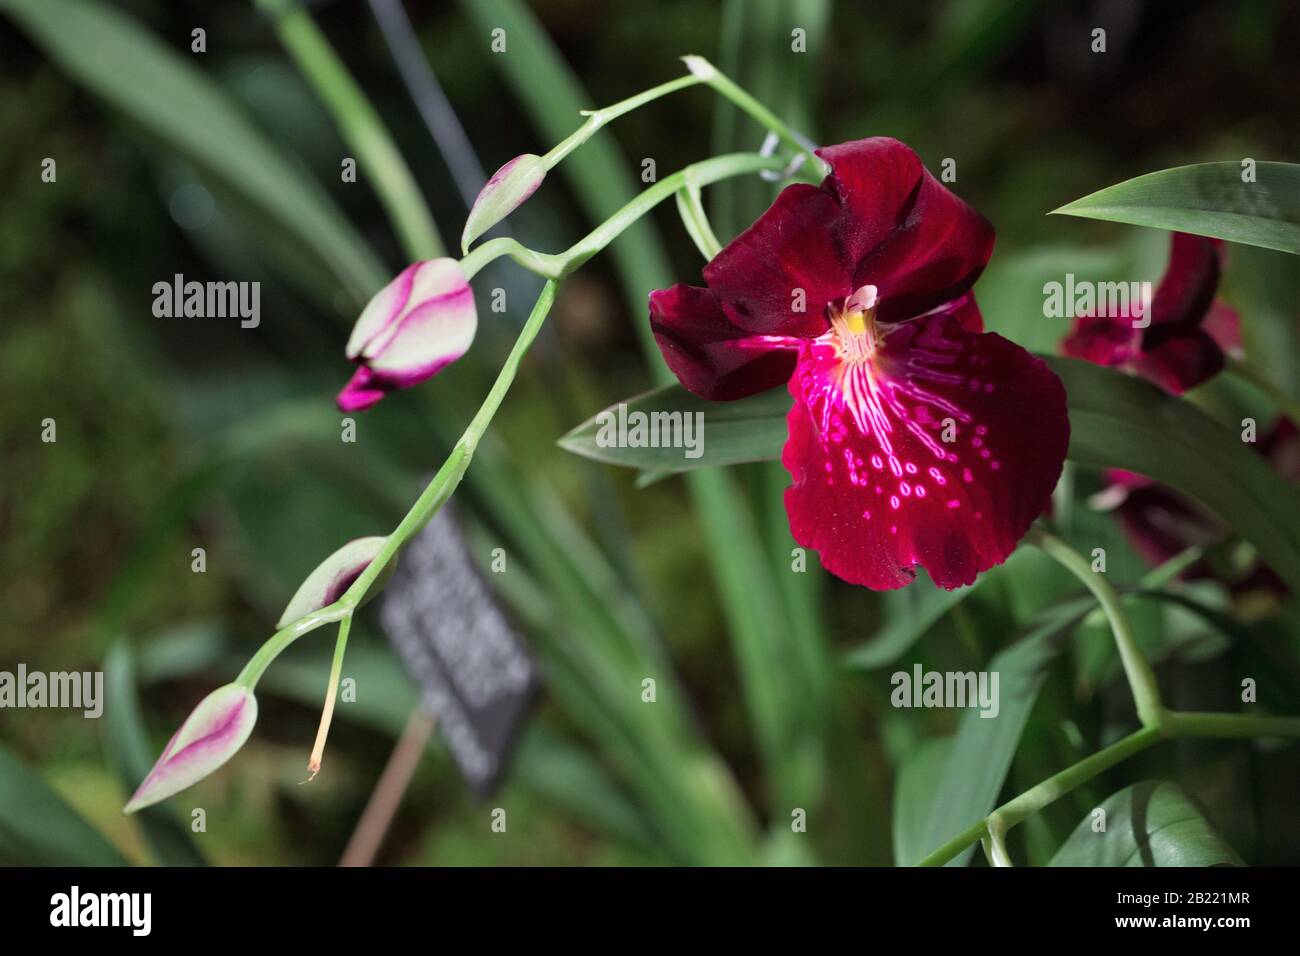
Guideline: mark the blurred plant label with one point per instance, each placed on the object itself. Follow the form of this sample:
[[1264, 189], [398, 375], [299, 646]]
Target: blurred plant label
[[477, 675]]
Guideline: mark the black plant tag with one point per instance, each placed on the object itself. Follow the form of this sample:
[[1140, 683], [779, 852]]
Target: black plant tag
[[478, 676]]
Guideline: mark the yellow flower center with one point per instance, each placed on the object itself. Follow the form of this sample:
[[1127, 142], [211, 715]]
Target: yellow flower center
[[854, 329]]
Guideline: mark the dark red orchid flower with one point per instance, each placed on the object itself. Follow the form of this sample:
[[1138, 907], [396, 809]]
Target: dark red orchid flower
[[1160, 523], [1188, 333], [915, 438]]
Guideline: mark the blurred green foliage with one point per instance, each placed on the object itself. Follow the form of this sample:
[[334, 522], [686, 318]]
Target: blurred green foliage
[[179, 435]]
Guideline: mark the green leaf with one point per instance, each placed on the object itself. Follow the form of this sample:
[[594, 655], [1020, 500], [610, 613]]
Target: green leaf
[[133, 754], [918, 780], [1116, 421], [555, 768], [1208, 199], [968, 786], [38, 829], [752, 429], [1153, 823], [168, 96]]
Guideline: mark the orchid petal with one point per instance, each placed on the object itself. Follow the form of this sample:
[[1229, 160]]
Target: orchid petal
[[906, 233], [778, 276], [710, 356]]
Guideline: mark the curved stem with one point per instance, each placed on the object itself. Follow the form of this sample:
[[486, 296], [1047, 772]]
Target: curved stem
[[728, 88], [1034, 799], [696, 221], [995, 840], [607, 114], [433, 497], [1141, 678], [703, 173], [560, 264], [481, 255], [282, 638]]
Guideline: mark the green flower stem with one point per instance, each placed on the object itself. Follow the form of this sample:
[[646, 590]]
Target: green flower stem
[[1141, 679], [282, 638], [696, 220], [331, 694], [702, 71], [725, 86], [378, 157], [1155, 579], [1157, 722], [995, 841], [602, 117], [435, 495], [1233, 726], [457, 463], [1173, 725], [1285, 402], [1009, 814], [440, 488], [559, 265]]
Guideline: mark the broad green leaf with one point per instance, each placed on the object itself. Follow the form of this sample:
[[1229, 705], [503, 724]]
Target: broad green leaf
[[1207, 199], [163, 92], [133, 754], [38, 829], [1116, 421], [1153, 823], [752, 429], [967, 788], [918, 780], [1119, 421]]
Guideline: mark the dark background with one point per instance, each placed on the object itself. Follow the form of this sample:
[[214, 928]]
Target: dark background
[[181, 434]]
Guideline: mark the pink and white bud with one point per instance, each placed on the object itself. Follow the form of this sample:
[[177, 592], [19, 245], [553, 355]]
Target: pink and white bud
[[209, 737], [412, 329], [505, 192], [335, 575]]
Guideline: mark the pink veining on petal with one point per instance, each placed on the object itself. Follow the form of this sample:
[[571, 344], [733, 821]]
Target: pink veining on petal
[[876, 487], [383, 310]]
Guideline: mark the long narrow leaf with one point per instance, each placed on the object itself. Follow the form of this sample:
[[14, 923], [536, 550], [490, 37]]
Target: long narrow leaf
[[106, 51], [38, 829], [1258, 207]]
